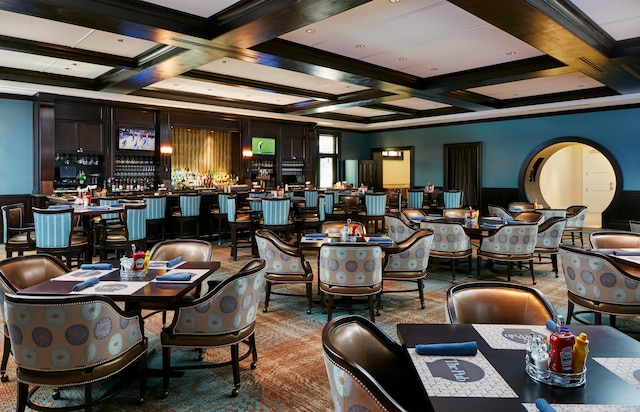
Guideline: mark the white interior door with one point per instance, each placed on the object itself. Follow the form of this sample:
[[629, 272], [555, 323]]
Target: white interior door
[[599, 185]]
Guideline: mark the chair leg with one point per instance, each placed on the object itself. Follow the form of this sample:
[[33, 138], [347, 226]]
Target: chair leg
[[470, 263], [581, 240], [533, 276], [267, 295], [573, 241], [478, 264], [88, 399], [235, 365], [453, 271], [509, 268], [23, 395], [254, 351], [421, 292], [329, 308], [598, 318], [5, 359], [166, 369], [142, 374], [569, 312], [309, 296], [554, 263], [372, 314], [612, 320]]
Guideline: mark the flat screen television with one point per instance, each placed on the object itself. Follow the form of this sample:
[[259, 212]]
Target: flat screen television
[[136, 139], [263, 146]]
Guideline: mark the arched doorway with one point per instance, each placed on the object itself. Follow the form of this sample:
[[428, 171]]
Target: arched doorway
[[572, 171]]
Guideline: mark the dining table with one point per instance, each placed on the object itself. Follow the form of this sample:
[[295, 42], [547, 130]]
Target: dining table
[[476, 229], [494, 379]]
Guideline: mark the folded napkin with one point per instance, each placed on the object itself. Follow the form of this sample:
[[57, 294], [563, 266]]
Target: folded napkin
[[174, 261], [87, 283], [628, 252], [174, 276], [543, 405], [448, 349], [380, 239], [99, 207], [116, 205], [434, 215], [96, 266], [490, 225], [551, 325], [59, 206], [319, 235], [419, 218]]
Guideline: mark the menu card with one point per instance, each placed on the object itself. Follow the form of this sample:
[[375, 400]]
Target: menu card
[[509, 336], [83, 274]]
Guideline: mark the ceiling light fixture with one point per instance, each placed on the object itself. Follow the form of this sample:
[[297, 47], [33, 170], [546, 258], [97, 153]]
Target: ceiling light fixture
[[403, 59], [511, 53], [359, 46], [394, 1], [225, 61], [434, 69], [122, 40], [310, 30]]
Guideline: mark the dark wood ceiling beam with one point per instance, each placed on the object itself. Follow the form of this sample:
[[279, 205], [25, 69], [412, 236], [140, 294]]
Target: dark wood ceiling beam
[[362, 98], [28, 76], [528, 23], [209, 100]]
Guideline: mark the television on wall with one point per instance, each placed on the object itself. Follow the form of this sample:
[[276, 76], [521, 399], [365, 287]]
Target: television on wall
[[136, 139], [263, 146]]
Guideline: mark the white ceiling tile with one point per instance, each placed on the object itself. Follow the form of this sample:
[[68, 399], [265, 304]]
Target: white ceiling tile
[[416, 103], [362, 112], [45, 64], [619, 18], [196, 7], [116, 44], [76, 69]]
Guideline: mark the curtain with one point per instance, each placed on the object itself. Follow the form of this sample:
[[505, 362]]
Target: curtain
[[463, 171], [201, 151]]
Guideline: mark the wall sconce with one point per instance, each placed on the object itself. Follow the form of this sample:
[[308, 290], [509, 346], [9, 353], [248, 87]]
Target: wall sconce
[[247, 155], [166, 152]]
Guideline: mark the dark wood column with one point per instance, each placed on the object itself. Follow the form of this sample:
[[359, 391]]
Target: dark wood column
[[44, 144]]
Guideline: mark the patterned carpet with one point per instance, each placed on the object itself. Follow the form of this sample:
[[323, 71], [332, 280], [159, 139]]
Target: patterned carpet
[[290, 375]]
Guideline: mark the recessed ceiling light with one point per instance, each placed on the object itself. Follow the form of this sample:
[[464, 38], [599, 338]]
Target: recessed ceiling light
[[121, 40], [359, 46], [394, 1], [403, 59], [225, 61], [515, 95], [310, 30], [511, 53], [434, 69]]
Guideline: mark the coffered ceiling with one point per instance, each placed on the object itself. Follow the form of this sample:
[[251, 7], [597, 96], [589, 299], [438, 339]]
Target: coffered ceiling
[[353, 64]]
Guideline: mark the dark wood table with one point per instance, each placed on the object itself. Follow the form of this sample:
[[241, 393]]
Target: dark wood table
[[602, 387], [158, 293]]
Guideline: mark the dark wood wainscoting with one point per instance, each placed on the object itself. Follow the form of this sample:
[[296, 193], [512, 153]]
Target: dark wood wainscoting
[[498, 196], [617, 215]]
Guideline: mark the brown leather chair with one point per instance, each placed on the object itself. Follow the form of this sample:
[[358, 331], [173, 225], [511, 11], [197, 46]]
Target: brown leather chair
[[498, 302], [333, 228], [408, 214], [360, 356], [455, 213], [530, 217], [614, 239], [88, 349], [18, 237], [21, 272]]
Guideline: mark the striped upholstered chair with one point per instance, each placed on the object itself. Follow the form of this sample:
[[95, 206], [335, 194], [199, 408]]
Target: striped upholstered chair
[[276, 216], [187, 212], [134, 232], [54, 235], [415, 199], [155, 214], [374, 209], [452, 199]]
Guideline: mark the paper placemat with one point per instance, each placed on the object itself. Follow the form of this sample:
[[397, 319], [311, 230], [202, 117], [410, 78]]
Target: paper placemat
[[627, 369], [113, 288], [82, 274], [195, 274], [306, 239], [509, 336], [460, 377], [573, 407], [162, 264], [631, 259]]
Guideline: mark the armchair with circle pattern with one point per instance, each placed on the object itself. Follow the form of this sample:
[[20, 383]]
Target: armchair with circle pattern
[[397, 229], [450, 242], [575, 222], [548, 240]]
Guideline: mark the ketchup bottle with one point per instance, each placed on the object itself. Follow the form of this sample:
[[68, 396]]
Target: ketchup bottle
[[561, 354]]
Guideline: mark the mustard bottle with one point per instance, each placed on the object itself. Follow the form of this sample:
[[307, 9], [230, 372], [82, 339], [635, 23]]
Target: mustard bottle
[[147, 256], [580, 350]]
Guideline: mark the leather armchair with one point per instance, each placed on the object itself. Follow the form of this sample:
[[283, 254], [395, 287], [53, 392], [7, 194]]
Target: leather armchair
[[549, 238], [575, 222], [18, 237], [455, 213], [397, 230], [498, 302], [362, 358], [333, 228], [531, 217], [499, 211], [614, 239], [450, 242]]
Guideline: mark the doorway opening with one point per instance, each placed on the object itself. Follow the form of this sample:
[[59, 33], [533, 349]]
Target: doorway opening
[[573, 171]]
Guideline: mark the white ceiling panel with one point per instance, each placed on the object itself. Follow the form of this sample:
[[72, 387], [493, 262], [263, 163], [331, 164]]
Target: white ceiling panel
[[202, 8], [416, 103], [223, 91], [242, 69], [363, 112], [63, 34], [539, 86], [619, 18], [44, 64]]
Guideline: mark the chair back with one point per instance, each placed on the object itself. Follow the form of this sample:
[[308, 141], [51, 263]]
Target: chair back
[[189, 205], [455, 213], [329, 201], [498, 302], [322, 215], [512, 239], [256, 206], [576, 216], [69, 334], [156, 207], [276, 211], [614, 239], [333, 228], [109, 217], [53, 227], [311, 199], [279, 256], [415, 199], [452, 199], [351, 265], [449, 237], [231, 306], [395, 200], [634, 226], [397, 230], [12, 217], [20, 272], [413, 255], [550, 233], [222, 202], [520, 206], [365, 368], [595, 277], [531, 217], [549, 213], [232, 208], [135, 216], [375, 204], [499, 211], [188, 249]]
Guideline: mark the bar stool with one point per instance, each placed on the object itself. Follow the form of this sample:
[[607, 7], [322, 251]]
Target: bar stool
[[187, 212], [238, 222], [219, 213], [156, 206]]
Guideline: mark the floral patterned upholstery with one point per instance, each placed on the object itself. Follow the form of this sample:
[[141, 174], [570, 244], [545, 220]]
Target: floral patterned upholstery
[[549, 238], [410, 262], [450, 241], [596, 282], [499, 211], [575, 222], [285, 264], [350, 270], [549, 213], [397, 230], [511, 243], [366, 368], [65, 341], [225, 316]]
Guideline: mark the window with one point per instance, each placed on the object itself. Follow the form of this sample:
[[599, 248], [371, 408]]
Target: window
[[328, 149]]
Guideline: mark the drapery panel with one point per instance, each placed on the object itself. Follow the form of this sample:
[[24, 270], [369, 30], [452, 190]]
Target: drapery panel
[[201, 150]]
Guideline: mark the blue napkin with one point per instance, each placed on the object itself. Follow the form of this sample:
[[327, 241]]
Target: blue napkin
[[319, 235], [380, 239], [174, 261], [419, 218], [59, 206], [87, 283], [99, 207], [174, 276], [489, 225], [434, 215], [543, 405], [116, 205], [551, 325], [97, 266], [448, 349], [629, 252]]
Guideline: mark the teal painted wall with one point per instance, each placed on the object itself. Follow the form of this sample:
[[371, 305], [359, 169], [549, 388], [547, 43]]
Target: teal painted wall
[[507, 143], [16, 147]]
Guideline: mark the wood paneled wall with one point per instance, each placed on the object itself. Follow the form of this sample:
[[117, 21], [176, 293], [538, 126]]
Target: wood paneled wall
[[201, 150]]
